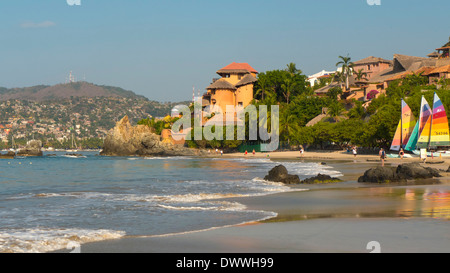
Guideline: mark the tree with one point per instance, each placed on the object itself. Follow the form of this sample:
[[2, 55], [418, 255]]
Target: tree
[[358, 111], [262, 87], [335, 110], [334, 92], [347, 69], [292, 69], [288, 87], [288, 125], [361, 75]]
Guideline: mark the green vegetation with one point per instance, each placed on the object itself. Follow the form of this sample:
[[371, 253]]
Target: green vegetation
[[347, 122]]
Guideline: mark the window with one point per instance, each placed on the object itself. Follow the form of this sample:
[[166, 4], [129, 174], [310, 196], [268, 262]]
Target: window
[[240, 104], [239, 77]]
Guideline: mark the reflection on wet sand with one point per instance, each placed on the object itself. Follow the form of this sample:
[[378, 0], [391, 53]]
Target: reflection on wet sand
[[378, 202]]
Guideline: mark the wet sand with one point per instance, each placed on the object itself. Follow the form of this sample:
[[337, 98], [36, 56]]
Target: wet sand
[[342, 217]]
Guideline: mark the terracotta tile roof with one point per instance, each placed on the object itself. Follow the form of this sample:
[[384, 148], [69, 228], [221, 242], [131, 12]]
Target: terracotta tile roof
[[399, 76], [238, 67], [442, 69]]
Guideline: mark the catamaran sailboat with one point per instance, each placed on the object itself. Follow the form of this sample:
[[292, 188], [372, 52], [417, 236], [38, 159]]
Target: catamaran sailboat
[[431, 132], [74, 147], [404, 129]]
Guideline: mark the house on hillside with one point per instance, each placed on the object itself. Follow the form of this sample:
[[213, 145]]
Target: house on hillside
[[403, 66], [234, 88], [371, 66], [436, 74], [314, 79]]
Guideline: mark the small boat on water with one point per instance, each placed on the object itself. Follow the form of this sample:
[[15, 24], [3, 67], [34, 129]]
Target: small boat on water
[[430, 132], [74, 147]]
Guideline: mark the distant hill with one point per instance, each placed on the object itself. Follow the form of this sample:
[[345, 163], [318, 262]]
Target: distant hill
[[65, 91]]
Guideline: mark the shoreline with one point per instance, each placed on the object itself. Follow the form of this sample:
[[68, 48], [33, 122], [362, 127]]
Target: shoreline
[[340, 217]]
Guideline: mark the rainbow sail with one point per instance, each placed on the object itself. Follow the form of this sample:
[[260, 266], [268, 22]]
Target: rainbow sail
[[425, 113], [424, 139], [439, 135], [397, 141], [404, 129], [412, 142]]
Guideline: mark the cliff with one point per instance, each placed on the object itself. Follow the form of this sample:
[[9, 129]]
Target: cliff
[[127, 140]]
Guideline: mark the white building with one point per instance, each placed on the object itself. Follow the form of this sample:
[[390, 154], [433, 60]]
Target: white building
[[313, 79]]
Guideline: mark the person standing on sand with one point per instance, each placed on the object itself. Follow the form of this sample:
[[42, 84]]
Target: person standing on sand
[[382, 156], [245, 152], [301, 150], [253, 152], [401, 153], [354, 151]]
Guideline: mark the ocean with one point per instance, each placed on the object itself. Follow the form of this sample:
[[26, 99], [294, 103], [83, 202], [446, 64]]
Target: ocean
[[49, 202]]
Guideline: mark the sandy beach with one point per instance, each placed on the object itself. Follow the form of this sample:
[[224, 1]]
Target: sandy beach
[[338, 217]]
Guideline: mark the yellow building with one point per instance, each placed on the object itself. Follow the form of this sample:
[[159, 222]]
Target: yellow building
[[235, 87]]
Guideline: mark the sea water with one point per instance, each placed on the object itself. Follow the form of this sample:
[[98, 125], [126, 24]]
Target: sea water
[[48, 202]]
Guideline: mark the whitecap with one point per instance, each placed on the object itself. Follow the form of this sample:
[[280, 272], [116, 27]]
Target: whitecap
[[46, 240]]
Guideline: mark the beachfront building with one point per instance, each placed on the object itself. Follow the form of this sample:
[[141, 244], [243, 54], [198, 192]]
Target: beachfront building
[[235, 87]]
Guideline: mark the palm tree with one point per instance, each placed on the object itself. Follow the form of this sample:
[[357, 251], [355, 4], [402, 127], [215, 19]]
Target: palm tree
[[347, 69], [263, 86], [335, 110], [288, 125], [360, 75], [358, 111], [288, 87], [292, 69]]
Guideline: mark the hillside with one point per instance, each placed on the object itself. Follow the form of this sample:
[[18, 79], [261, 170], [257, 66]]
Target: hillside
[[64, 91], [81, 109]]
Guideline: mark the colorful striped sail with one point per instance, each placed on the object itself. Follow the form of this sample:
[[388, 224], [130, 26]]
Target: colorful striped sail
[[412, 142], [439, 135], [397, 141], [424, 138], [408, 123], [425, 113], [406, 127]]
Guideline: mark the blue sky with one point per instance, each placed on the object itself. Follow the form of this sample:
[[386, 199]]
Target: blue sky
[[160, 49]]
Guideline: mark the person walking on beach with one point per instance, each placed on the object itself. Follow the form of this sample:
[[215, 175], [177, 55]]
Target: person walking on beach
[[382, 156], [301, 150], [401, 153], [253, 152], [355, 151]]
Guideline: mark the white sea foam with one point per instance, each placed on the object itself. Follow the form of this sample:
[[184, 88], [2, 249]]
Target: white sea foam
[[46, 240]]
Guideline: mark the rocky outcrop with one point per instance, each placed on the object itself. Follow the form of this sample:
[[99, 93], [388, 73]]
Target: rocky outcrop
[[402, 173], [280, 174], [33, 148], [321, 179], [127, 140], [8, 155]]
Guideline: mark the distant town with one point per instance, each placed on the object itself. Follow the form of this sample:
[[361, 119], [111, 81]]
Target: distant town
[[62, 121]]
